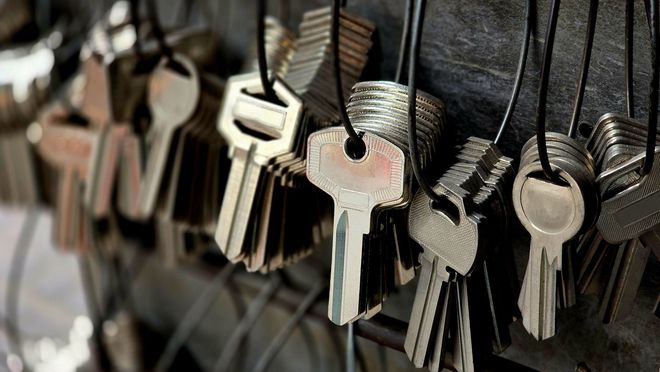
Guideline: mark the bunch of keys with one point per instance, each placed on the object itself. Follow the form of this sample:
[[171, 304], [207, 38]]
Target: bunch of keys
[[279, 45], [362, 189], [455, 237], [23, 91], [261, 228], [613, 256], [311, 70], [553, 212], [70, 149]]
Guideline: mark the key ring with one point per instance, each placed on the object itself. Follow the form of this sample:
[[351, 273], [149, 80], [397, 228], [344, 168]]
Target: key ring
[[355, 146], [652, 14]]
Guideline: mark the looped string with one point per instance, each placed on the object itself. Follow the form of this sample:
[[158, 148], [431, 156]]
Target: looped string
[[652, 14], [355, 146], [261, 51], [543, 91]]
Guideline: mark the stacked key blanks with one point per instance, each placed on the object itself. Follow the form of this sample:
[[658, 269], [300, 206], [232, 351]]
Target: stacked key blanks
[[268, 229], [455, 237], [22, 93], [263, 136], [364, 267], [69, 149], [612, 259], [553, 212], [311, 71], [279, 48]]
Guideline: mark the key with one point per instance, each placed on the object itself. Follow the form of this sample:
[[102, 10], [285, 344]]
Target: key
[[256, 131], [625, 279], [173, 99], [552, 214], [357, 187], [629, 213]]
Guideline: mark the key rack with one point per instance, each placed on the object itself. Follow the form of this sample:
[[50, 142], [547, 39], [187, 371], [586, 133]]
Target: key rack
[[469, 52]]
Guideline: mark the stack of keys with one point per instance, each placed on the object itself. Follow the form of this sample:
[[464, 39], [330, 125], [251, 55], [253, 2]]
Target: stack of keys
[[455, 237], [267, 230], [613, 256], [70, 150], [553, 212], [266, 139], [279, 43], [363, 267], [311, 70], [23, 91]]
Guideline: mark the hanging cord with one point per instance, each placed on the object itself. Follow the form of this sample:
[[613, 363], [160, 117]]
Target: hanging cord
[[355, 146], [417, 26], [157, 30], [135, 22], [520, 73], [193, 316], [584, 72], [653, 88], [14, 281], [543, 90], [261, 50], [628, 59], [405, 42], [285, 332]]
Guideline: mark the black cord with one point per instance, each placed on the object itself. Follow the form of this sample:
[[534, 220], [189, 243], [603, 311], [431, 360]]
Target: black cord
[[628, 60], [152, 13], [261, 50], [543, 90], [193, 316], [355, 147], [417, 26], [584, 72], [653, 89], [522, 61], [405, 42], [135, 22], [14, 281]]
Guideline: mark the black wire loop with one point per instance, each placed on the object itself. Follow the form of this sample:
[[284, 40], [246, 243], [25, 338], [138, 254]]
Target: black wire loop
[[405, 43], [417, 26], [584, 71], [652, 15], [628, 59], [355, 146], [522, 61], [543, 90], [157, 29], [261, 51]]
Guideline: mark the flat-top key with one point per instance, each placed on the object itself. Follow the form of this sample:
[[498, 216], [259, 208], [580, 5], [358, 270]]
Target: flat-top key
[[173, 98], [634, 211], [256, 132], [357, 187], [552, 214]]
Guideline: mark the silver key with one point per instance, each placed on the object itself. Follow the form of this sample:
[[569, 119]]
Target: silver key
[[276, 127], [173, 99], [357, 187]]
